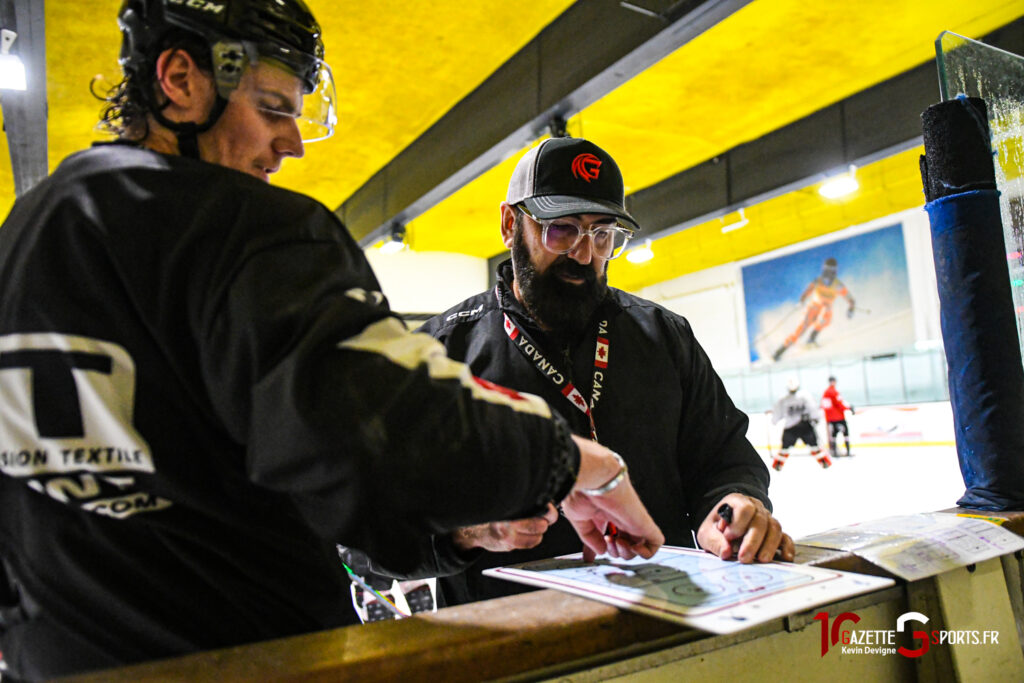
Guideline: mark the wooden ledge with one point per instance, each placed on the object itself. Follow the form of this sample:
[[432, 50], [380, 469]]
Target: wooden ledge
[[512, 637], [480, 641]]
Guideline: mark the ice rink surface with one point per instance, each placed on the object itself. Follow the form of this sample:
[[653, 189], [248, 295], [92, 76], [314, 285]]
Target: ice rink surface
[[878, 481]]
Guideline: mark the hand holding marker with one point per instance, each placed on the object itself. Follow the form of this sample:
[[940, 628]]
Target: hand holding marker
[[725, 512]]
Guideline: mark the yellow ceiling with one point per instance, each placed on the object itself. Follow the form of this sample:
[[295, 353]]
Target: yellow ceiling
[[886, 186], [771, 63], [399, 66]]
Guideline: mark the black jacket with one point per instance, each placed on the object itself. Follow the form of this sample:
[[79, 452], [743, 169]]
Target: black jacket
[[203, 391], [660, 405]]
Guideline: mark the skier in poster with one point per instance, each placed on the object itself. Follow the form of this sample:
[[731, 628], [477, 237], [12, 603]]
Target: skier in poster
[[835, 415], [822, 292], [800, 415]]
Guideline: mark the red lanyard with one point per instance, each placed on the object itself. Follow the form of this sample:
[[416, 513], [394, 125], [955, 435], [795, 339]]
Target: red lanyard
[[532, 352]]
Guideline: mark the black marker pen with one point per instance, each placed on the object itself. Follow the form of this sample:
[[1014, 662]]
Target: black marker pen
[[725, 512]]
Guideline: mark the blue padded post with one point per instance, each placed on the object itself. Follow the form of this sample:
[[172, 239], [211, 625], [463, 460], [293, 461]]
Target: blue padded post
[[979, 332]]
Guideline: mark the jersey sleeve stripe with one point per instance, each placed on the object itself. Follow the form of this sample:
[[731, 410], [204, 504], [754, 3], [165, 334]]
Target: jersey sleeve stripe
[[389, 338]]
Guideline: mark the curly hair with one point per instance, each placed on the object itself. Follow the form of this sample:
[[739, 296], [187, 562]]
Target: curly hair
[[128, 104], [124, 112]]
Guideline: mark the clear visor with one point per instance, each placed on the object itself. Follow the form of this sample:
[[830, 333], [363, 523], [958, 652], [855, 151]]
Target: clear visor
[[276, 90], [319, 108]]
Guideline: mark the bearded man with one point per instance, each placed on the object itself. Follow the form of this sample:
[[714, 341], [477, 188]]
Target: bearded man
[[622, 370]]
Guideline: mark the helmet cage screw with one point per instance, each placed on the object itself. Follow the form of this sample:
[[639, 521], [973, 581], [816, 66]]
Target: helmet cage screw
[[228, 64]]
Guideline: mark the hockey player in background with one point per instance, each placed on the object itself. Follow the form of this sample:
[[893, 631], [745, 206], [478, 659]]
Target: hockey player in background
[[835, 415], [822, 292], [800, 414]]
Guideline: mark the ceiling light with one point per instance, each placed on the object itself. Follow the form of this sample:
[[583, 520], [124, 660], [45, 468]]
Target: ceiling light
[[737, 224], [641, 253], [12, 71], [395, 241], [840, 185]]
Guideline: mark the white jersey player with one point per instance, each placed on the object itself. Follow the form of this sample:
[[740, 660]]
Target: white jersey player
[[798, 413]]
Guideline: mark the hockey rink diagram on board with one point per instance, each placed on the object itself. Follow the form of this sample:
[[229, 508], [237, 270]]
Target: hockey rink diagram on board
[[693, 587]]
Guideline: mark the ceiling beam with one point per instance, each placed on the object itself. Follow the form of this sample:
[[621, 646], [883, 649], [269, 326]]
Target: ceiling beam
[[865, 127], [25, 111], [546, 81]]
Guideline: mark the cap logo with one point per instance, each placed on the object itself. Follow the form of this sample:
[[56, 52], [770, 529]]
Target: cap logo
[[586, 167]]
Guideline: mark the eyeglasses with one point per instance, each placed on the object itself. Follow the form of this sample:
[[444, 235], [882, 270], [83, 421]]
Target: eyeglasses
[[562, 235]]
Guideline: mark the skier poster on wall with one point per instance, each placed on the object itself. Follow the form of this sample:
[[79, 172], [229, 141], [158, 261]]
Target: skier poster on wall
[[847, 297]]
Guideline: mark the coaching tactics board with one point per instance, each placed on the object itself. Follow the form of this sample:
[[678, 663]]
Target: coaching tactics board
[[693, 587]]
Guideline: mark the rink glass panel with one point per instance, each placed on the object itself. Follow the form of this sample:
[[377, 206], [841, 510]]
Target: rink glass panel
[[906, 376]]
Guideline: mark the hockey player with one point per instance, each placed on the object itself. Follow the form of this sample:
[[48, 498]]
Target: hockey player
[[800, 415], [822, 291], [203, 391], [835, 415]]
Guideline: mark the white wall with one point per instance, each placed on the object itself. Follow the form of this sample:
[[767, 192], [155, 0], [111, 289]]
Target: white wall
[[429, 281], [712, 299]]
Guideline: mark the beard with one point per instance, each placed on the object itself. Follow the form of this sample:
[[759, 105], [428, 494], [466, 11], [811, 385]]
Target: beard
[[562, 306]]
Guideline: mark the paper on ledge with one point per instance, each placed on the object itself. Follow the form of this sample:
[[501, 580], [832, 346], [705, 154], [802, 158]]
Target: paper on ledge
[[915, 547], [695, 588]]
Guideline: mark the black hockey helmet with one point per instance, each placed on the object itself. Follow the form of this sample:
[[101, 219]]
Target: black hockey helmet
[[238, 33]]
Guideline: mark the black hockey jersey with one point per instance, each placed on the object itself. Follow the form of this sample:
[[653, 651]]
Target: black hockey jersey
[[202, 391], [653, 395]]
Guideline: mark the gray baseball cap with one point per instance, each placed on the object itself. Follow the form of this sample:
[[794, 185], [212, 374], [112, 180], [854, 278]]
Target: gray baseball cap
[[566, 176]]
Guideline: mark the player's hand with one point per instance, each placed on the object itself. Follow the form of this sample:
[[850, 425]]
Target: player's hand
[[752, 535], [500, 537], [635, 533]]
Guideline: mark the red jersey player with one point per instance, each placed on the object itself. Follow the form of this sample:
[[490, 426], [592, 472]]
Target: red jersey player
[[835, 414]]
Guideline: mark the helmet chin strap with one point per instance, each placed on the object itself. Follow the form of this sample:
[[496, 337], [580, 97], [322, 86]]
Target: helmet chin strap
[[229, 59], [187, 132]]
